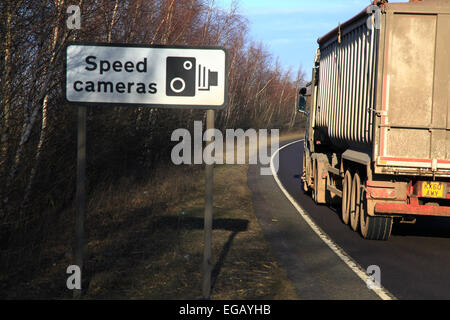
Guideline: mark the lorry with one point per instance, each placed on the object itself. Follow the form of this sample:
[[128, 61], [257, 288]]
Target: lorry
[[377, 138]]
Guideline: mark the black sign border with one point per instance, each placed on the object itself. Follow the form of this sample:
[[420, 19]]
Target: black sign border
[[160, 106]]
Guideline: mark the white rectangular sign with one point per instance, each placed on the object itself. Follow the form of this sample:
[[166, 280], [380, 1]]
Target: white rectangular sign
[[159, 76]]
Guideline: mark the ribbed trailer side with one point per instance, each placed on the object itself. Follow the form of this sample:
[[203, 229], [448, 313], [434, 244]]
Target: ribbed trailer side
[[347, 89]]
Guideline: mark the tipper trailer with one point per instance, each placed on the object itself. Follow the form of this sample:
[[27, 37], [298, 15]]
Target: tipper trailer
[[377, 136]]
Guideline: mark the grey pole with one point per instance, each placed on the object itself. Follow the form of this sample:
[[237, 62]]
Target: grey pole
[[80, 193], [207, 264]]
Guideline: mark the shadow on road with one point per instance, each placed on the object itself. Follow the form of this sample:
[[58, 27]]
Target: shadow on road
[[437, 227]]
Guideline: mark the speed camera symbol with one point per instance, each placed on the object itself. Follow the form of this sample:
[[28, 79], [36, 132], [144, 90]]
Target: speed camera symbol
[[180, 73], [181, 77]]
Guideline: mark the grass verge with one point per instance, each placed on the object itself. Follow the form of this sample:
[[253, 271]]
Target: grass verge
[[145, 241]]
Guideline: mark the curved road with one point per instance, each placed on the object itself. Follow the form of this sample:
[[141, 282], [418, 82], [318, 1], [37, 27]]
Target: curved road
[[414, 263]]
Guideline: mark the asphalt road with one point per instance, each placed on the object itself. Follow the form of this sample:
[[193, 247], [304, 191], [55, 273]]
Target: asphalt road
[[414, 263]]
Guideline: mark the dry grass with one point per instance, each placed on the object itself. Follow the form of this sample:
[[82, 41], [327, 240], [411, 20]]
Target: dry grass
[[145, 241]]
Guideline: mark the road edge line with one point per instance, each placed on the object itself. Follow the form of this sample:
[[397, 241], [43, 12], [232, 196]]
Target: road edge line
[[383, 293]]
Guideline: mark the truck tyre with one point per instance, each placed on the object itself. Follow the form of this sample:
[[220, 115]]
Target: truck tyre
[[306, 173], [373, 228], [355, 202], [314, 179], [346, 189], [316, 182], [319, 192]]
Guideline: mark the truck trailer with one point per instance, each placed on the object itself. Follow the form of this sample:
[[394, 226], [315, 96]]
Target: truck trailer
[[377, 138]]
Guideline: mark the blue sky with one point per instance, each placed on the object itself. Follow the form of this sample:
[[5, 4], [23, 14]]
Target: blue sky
[[290, 28]]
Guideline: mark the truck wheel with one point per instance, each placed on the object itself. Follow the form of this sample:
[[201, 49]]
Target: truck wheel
[[346, 196], [314, 178], [373, 228], [305, 173], [319, 192], [355, 202], [316, 182]]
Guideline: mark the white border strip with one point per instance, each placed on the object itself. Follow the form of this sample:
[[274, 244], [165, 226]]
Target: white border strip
[[381, 292]]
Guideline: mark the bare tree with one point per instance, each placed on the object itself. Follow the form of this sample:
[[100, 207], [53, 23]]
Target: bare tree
[[37, 136]]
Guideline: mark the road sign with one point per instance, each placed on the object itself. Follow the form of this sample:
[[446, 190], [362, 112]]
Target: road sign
[[157, 76]]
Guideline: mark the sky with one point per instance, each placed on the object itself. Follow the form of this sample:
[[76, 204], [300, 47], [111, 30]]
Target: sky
[[290, 28]]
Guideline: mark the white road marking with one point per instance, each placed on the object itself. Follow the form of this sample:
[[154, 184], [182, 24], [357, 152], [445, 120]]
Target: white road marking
[[355, 267]]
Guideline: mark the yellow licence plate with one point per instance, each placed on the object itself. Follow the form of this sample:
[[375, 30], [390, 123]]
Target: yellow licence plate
[[433, 189]]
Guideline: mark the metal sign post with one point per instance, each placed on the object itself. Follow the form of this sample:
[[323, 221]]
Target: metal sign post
[[208, 219], [80, 193]]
